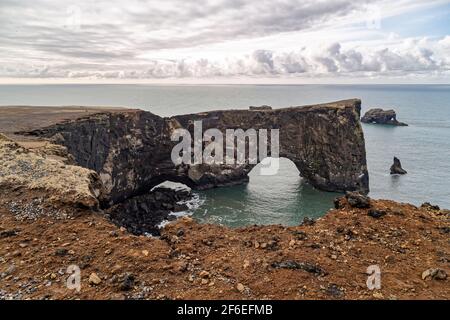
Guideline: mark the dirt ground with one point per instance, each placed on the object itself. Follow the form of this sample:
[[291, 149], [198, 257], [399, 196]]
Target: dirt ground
[[327, 259], [28, 118]]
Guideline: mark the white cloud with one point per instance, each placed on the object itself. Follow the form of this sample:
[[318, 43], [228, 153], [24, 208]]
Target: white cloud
[[320, 61], [141, 39]]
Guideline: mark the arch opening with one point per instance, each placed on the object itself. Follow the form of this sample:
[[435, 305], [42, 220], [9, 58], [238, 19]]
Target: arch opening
[[285, 198]]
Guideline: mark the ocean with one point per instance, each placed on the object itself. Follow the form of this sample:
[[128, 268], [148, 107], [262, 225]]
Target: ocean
[[423, 147]]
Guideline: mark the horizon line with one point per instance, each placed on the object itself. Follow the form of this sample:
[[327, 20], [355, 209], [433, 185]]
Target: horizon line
[[2, 83]]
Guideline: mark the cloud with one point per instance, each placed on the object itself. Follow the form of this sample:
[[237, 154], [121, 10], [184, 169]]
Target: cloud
[[89, 29], [147, 39], [332, 60]]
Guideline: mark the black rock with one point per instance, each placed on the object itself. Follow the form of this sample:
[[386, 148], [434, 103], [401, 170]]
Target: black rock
[[338, 203], [61, 252], [396, 167], [260, 108], [307, 221], [306, 266], [9, 233], [348, 233], [142, 214], [444, 230], [376, 213], [127, 282], [86, 261], [171, 217], [429, 206], [300, 235], [357, 200], [334, 290]]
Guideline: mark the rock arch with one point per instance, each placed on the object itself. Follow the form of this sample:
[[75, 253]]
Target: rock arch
[[131, 149], [325, 142]]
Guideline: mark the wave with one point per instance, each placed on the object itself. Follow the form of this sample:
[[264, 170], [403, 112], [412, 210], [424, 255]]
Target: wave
[[192, 204]]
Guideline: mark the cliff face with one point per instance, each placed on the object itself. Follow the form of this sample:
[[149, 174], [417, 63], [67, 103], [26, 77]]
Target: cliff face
[[126, 149], [131, 150], [325, 142], [24, 171]]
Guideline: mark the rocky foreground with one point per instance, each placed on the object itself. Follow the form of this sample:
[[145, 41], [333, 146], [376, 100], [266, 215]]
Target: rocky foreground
[[325, 259]]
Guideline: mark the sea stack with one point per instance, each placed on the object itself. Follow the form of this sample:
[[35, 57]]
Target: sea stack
[[396, 167], [380, 116]]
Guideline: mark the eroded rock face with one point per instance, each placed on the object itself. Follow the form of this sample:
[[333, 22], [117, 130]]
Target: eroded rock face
[[35, 172], [128, 150], [357, 200], [380, 116], [142, 214], [131, 150]]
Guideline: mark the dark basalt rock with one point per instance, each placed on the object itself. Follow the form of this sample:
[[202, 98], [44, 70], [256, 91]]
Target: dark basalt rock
[[334, 290], [444, 230], [142, 214], [9, 233], [306, 266], [264, 107], [307, 221], [396, 167], [339, 203], [376, 213], [429, 206], [380, 116], [299, 235], [61, 252], [127, 282], [357, 200], [131, 150]]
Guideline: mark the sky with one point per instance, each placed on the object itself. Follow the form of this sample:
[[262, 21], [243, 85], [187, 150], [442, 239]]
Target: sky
[[225, 41]]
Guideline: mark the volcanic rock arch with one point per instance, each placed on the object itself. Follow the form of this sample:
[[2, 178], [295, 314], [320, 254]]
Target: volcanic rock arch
[[131, 150]]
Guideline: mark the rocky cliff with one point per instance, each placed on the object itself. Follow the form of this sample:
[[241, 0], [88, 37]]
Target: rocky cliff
[[380, 116], [131, 150], [28, 174]]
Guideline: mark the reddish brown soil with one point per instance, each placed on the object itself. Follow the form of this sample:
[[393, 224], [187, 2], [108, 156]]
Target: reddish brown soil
[[403, 243]]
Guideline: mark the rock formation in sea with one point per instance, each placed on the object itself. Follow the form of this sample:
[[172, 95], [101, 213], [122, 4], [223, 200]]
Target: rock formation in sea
[[396, 167], [131, 150], [380, 116]]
